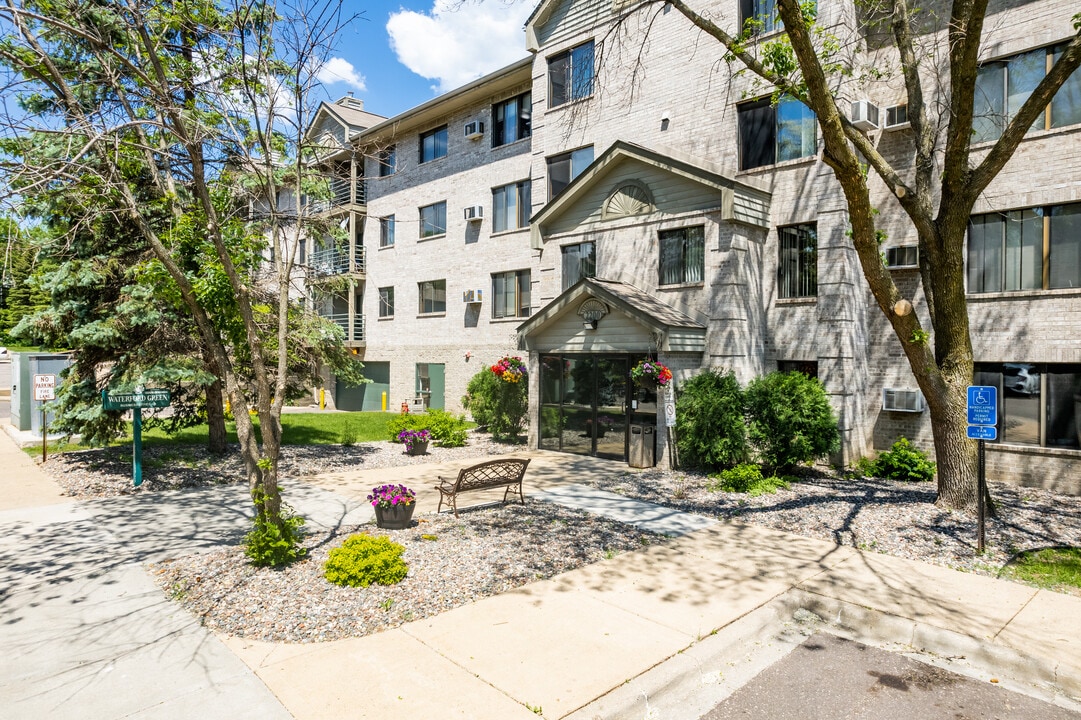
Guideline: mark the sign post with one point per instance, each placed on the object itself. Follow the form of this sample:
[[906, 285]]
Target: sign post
[[44, 390], [136, 401], [669, 400], [982, 426]]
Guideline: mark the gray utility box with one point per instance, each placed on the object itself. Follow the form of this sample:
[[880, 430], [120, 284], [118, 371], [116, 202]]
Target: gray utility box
[[25, 410], [642, 451]]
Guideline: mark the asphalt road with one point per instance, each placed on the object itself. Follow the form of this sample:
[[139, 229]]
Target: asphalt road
[[829, 678]]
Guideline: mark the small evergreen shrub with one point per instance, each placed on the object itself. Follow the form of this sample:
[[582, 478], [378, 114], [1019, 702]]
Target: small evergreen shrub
[[747, 478], [349, 434], [499, 401], [709, 421], [900, 462], [268, 545], [791, 421], [362, 560]]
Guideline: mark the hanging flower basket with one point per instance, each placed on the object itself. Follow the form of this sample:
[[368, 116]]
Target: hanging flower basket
[[510, 369], [648, 373]]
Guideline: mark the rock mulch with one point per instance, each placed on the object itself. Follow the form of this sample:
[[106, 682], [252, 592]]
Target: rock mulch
[[895, 518], [106, 472], [451, 563]]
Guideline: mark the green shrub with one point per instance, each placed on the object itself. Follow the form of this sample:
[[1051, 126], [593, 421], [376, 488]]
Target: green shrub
[[709, 421], [500, 405], [900, 462], [269, 545], [363, 560], [791, 421], [747, 478], [447, 429], [349, 434]]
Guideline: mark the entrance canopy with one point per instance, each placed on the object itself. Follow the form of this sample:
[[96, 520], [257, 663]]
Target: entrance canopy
[[605, 316]]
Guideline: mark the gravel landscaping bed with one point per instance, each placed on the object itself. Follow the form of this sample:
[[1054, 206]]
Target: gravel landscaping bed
[[106, 472], [895, 518], [486, 552]]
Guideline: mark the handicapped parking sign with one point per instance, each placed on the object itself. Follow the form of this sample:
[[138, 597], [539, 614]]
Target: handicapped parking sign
[[982, 405]]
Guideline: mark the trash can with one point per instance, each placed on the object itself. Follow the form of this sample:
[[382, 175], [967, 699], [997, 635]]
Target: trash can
[[641, 453]]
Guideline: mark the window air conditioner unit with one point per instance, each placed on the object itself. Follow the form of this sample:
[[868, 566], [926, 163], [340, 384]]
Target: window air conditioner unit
[[474, 212], [474, 130], [865, 115], [896, 117], [472, 296], [898, 400], [903, 256]]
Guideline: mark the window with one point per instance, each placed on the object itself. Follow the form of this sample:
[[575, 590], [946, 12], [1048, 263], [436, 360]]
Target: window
[[570, 75], [797, 268], [807, 367], [386, 231], [303, 251], [386, 302], [579, 261], [564, 168], [770, 133], [763, 15], [1023, 388], [433, 144], [511, 206], [433, 297], [388, 161], [683, 253], [1030, 249], [511, 119], [433, 220], [1002, 86], [510, 294]]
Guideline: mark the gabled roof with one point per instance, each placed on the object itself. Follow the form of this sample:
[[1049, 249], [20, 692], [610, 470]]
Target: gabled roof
[[739, 202], [354, 120], [539, 16], [655, 316]]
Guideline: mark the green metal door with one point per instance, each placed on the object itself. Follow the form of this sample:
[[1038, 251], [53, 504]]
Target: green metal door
[[431, 384]]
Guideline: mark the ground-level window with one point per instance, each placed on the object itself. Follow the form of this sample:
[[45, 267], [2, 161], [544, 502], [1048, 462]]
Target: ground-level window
[[1029, 249], [1038, 402], [386, 302], [807, 367], [683, 253], [771, 133], [797, 266], [579, 261], [510, 294], [433, 296]]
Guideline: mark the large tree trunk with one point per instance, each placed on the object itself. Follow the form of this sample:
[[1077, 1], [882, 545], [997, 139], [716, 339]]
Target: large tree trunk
[[217, 442], [955, 453]]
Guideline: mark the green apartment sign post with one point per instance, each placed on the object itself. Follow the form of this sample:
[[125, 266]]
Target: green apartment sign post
[[136, 401]]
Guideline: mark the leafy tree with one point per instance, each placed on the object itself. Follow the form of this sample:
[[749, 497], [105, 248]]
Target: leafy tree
[[500, 405], [19, 296], [167, 112], [936, 192]]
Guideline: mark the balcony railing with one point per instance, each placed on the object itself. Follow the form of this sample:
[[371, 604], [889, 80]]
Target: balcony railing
[[335, 261], [354, 334], [343, 192]]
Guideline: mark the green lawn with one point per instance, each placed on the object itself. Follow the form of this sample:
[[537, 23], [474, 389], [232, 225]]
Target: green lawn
[[1052, 568], [297, 429]]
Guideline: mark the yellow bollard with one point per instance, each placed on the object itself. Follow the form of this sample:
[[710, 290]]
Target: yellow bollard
[[322, 399], [384, 402]]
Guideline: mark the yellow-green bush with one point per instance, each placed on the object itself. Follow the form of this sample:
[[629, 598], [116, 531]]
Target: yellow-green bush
[[363, 560]]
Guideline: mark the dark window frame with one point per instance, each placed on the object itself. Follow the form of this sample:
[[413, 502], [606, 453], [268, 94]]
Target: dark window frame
[[386, 231], [764, 134], [682, 255], [428, 292], [520, 281], [430, 228], [998, 264], [797, 261], [556, 186], [521, 123], [584, 265], [1048, 388], [572, 74], [522, 193], [386, 302], [388, 161], [439, 141]]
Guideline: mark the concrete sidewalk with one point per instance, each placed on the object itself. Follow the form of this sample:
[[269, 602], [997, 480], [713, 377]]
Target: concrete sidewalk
[[88, 634]]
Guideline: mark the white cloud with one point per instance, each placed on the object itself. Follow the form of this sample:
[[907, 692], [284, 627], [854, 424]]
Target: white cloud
[[456, 42], [340, 70]]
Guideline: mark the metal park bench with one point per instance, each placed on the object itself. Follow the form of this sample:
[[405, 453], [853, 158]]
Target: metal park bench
[[492, 474]]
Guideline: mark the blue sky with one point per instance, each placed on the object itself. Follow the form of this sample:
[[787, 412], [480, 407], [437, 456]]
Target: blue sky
[[400, 54]]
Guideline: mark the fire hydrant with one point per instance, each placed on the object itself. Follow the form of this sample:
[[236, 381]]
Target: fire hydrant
[[405, 407]]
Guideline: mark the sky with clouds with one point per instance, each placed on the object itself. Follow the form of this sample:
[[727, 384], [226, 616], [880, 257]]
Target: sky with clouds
[[397, 54]]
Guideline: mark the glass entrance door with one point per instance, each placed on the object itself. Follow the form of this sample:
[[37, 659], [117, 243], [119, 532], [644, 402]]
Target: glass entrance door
[[584, 402]]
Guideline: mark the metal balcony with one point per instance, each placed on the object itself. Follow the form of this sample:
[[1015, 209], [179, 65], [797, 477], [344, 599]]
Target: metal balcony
[[352, 334], [335, 261], [343, 193]]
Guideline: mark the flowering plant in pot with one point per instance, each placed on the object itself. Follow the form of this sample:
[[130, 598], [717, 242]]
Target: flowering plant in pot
[[510, 369], [647, 372], [394, 505], [415, 441]]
